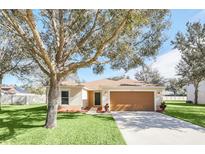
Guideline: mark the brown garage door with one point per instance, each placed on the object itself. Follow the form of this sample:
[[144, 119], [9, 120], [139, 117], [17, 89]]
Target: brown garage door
[[131, 101]]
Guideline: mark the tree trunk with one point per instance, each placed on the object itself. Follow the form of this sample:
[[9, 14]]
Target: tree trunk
[[1, 78], [175, 92], [53, 97], [196, 94]]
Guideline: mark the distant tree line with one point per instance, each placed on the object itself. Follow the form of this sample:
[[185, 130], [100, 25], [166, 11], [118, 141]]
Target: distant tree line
[[152, 76]]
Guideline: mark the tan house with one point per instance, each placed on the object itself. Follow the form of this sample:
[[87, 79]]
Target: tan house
[[120, 95]]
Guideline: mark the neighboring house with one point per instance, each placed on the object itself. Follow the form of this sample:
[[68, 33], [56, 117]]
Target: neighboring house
[[201, 93], [10, 89], [120, 95]]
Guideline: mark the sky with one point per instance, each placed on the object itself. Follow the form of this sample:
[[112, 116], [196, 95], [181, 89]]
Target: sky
[[166, 59]]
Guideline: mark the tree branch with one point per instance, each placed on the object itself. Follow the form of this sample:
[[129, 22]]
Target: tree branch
[[22, 34], [81, 42], [30, 20], [61, 37], [74, 66]]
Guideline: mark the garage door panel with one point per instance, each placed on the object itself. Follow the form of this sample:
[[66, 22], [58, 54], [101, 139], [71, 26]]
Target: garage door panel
[[124, 107], [132, 101]]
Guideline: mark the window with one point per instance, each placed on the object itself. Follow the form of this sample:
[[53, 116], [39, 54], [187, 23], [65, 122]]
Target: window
[[64, 97]]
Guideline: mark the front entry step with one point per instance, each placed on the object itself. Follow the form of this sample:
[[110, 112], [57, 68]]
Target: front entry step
[[96, 110]]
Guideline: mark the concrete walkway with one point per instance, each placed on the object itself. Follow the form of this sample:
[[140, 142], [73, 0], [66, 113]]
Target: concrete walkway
[[156, 128]]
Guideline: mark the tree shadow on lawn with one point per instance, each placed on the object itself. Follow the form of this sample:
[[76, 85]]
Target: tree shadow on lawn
[[20, 119], [17, 121], [68, 116], [83, 116]]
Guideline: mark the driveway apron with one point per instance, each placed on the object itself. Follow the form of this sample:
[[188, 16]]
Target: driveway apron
[[156, 128]]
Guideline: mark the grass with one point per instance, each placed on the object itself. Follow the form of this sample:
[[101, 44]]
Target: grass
[[188, 112], [24, 125]]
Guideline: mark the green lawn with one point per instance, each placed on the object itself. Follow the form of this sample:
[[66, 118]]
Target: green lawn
[[188, 112], [24, 125]]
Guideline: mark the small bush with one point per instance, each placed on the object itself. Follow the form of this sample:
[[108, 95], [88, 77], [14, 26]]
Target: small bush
[[163, 106], [189, 102]]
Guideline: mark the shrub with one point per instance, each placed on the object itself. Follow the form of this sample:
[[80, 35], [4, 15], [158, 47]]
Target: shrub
[[163, 106], [189, 102]]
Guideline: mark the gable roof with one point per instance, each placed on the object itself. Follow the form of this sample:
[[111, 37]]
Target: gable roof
[[116, 83], [110, 83]]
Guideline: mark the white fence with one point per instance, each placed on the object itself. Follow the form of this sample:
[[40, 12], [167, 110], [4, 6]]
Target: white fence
[[165, 98], [23, 99]]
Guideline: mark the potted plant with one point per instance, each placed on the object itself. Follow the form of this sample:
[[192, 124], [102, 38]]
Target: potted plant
[[106, 107], [163, 106]]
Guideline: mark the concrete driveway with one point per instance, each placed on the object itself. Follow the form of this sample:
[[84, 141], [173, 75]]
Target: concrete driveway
[[156, 128]]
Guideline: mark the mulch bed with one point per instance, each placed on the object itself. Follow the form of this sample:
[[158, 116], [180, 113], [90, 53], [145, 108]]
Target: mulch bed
[[64, 110]]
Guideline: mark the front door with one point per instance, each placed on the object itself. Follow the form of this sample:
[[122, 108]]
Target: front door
[[97, 98]]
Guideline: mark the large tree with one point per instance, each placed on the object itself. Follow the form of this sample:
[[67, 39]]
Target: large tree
[[149, 75], [192, 47], [62, 41]]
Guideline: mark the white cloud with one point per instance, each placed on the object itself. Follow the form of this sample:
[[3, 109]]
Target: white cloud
[[165, 64]]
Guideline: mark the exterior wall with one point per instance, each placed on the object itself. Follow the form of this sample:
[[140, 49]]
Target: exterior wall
[[201, 95], [158, 99], [90, 98], [105, 97], [84, 98], [75, 97]]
